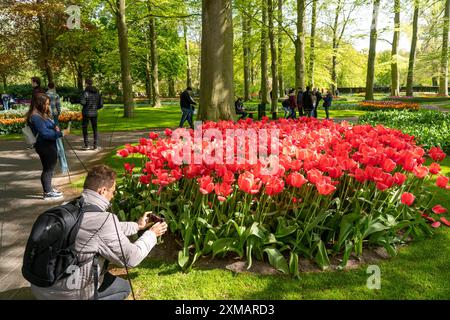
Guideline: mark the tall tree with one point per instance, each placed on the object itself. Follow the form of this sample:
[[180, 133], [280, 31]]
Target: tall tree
[[395, 82], [443, 79], [148, 79], [246, 49], [372, 51], [280, 49], [412, 52], [300, 46], [188, 56], [264, 73], [156, 98], [312, 55], [273, 53], [216, 81], [119, 9]]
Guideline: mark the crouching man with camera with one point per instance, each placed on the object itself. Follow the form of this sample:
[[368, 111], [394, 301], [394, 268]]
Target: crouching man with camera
[[71, 262]]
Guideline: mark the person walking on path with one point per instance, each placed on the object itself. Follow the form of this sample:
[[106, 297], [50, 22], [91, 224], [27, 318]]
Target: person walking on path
[[327, 103], [319, 97], [55, 110], [300, 102], [92, 101], [293, 104], [102, 233], [187, 107], [40, 121], [37, 90], [308, 102]]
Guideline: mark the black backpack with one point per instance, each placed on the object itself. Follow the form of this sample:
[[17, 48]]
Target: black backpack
[[50, 248]]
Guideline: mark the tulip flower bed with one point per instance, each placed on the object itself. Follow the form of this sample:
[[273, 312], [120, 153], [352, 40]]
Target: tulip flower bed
[[337, 190], [13, 122], [430, 128], [388, 105]]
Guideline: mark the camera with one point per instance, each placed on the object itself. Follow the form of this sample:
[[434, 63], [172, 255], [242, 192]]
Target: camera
[[154, 218]]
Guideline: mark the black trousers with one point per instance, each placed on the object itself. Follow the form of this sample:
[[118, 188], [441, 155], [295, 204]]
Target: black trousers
[[85, 124], [49, 156], [113, 288]]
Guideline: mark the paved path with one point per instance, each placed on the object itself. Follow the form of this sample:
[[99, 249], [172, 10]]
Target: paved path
[[21, 200]]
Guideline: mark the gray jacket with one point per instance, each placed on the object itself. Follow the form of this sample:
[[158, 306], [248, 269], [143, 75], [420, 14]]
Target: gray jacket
[[97, 234]]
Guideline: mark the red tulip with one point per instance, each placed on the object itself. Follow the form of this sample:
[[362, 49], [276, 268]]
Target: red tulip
[[123, 153], [223, 190], [399, 178], [168, 132], [420, 172], [389, 165], [274, 186], [436, 154], [438, 209], [408, 198], [435, 168], [325, 188], [428, 217], [445, 221], [144, 179], [296, 180], [206, 184], [248, 183], [153, 135], [442, 182], [436, 224], [129, 167]]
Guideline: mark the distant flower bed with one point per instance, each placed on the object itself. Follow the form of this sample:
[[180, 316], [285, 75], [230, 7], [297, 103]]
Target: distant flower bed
[[13, 121], [388, 105]]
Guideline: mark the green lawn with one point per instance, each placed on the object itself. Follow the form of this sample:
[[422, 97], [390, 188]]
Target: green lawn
[[419, 271]]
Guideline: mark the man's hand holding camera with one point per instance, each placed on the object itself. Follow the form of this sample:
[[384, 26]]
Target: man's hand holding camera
[[159, 226]]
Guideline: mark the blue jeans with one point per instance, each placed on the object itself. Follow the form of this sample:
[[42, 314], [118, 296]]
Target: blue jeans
[[5, 105], [187, 115]]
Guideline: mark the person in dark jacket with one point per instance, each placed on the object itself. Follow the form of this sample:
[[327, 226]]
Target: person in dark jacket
[[318, 99], [293, 104], [187, 107], [37, 90], [308, 102], [327, 103], [300, 101], [240, 109], [92, 101], [41, 123]]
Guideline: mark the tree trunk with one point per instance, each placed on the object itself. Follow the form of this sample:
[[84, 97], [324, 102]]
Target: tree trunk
[[148, 79], [335, 50], [172, 91], [280, 48], [80, 77], [264, 71], [443, 79], [246, 49], [5, 84], [312, 56], [188, 56], [127, 82], [300, 46], [372, 51], [45, 49], [412, 53], [274, 67], [156, 99], [216, 81], [395, 83]]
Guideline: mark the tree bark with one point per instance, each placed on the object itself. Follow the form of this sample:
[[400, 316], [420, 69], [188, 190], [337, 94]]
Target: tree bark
[[264, 71], [246, 51], [412, 53], [273, 53], [372, 52], [172, 91], [335, 49], [395, 83], [148, 79], [5, 84], [216, 81], [280, 48], [300, 46], [80, 77], [127, 82], [312, 56], [443, 79], [45, 48], [188, 56], [156, 98]]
